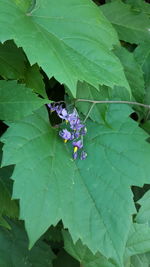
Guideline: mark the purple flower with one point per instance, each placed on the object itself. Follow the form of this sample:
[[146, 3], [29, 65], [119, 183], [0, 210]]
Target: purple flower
[[58, 109], [76, 125], [83, 155], [73, 116], [65, 134], [77, 145], [63, 114]]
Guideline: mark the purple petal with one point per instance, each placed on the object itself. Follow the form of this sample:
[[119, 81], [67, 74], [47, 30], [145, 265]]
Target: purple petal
[[83, 131], [75, 155], [51, 107], [65, 134]]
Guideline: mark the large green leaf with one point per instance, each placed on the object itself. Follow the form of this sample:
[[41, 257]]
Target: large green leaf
[[12, 61], [70, 40], [92, 197], [132, 26], [17, 101], [14, 249]]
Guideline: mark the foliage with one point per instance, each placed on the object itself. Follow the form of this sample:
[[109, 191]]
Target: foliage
[[63, 66]]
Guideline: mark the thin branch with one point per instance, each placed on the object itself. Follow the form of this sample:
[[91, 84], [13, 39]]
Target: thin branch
[[113, 102], [93, 104]]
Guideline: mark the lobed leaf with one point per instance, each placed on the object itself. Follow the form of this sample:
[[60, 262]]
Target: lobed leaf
[[70, 40], [92, 197]]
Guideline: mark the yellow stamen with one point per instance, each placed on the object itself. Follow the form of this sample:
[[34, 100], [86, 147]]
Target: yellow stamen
[[65, 141], [75, 149], [66, 121]]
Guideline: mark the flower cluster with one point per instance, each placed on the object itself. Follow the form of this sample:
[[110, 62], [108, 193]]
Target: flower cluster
[[76, 129]]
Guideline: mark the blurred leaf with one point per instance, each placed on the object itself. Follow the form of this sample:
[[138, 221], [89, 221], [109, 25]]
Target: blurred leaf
[[142, 55], [133, 72], [12, 61], [146, 126], [66, 259], [81, 253], [131, 26], [139, 6], [34, 80], [141, 260], [54, 233], [8, 207], [14, 249]]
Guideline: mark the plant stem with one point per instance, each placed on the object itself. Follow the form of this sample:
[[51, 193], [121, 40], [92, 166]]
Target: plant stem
[[113, 102], [93, 104]]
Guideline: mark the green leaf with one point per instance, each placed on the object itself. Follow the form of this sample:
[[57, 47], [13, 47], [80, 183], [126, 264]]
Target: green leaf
[[8, 206], [142, 55], [54, 234], [139, 240], [67, 52], [67, 260], [86, 91], [98, 112], [143, 214], [146, 125], [17, 101], [74, 191], [133, 72], [139, 6], [25, 5], [14, 249], [12, 61], [141, 260], [34, 80], [83, 254], [131, 26]]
